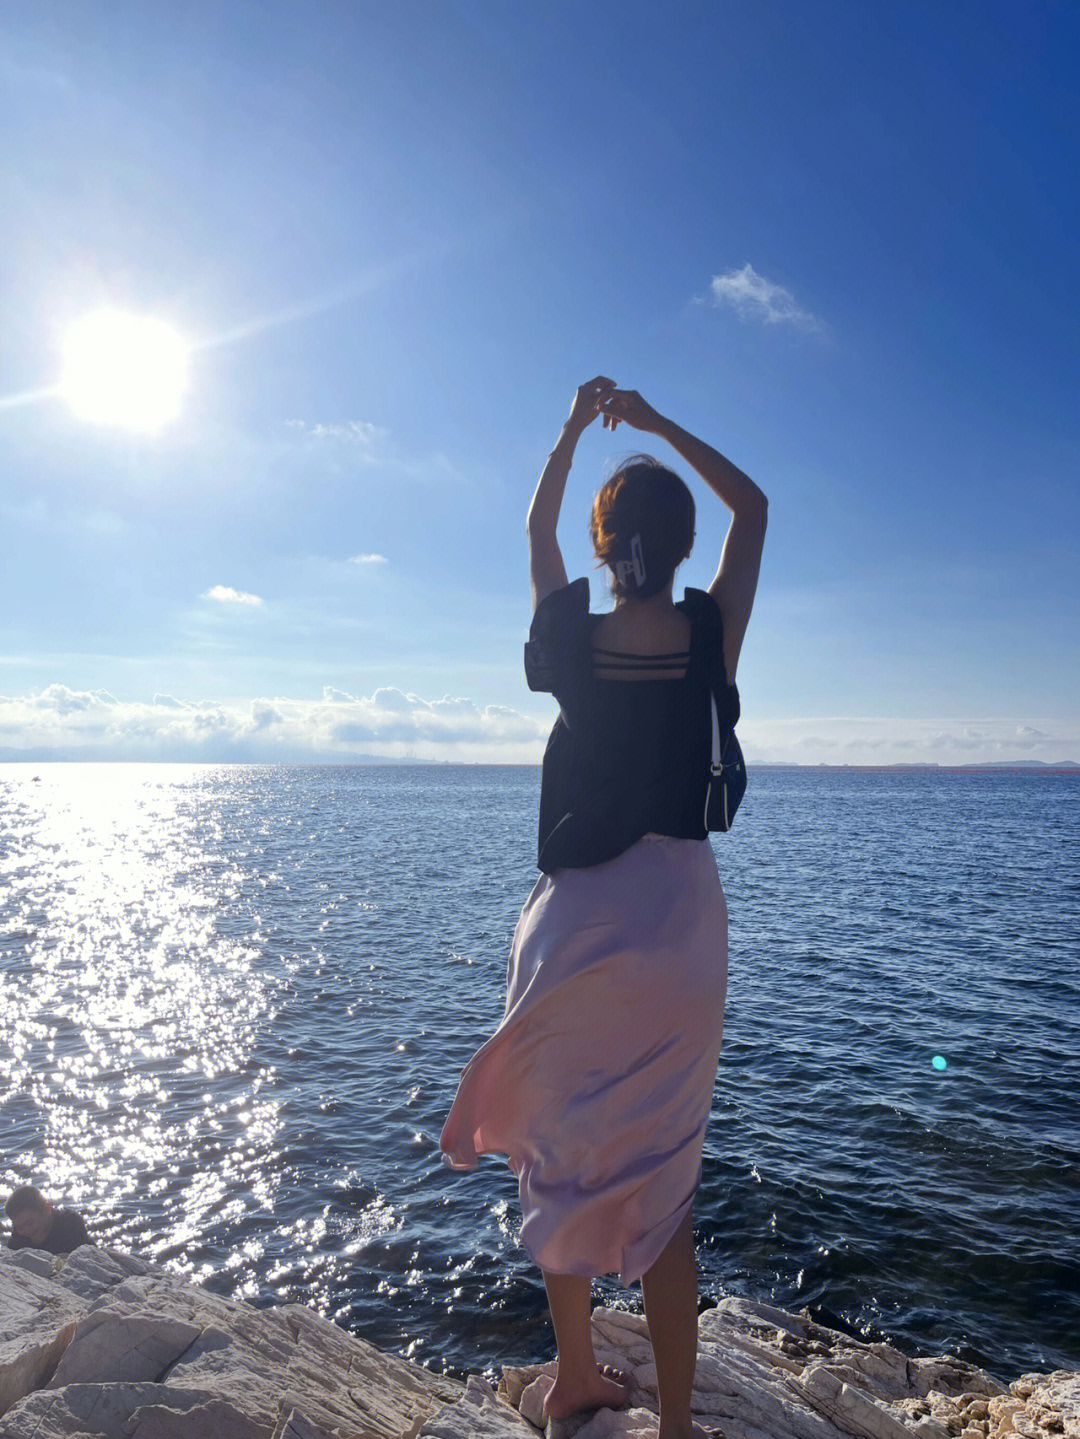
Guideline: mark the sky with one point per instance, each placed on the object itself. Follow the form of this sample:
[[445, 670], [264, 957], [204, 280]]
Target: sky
[[837, 242]]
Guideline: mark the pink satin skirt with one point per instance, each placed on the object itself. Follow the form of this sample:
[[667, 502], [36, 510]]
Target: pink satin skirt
[[597, 1084]]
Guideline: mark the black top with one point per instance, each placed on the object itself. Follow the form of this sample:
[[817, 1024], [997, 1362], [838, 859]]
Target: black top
[[68, 1231], [626, 757]]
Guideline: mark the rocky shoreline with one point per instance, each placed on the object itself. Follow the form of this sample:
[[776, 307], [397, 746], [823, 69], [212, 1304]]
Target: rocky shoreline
[[100, 1343]]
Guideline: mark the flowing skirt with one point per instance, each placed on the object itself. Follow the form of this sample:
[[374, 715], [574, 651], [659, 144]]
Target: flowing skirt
[[597, 1084]]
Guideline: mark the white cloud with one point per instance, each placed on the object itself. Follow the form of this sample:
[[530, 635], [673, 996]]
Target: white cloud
[[368, 560], [1028, 737], [263, 714], [887, 741], [754, 298], [227, 595], [62, 701], [350, 432], [392, 699], [62, 723], [354, 432], [341, 447]]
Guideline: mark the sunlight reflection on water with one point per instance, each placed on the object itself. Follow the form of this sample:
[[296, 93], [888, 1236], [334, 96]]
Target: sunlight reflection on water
[[128, 1020]]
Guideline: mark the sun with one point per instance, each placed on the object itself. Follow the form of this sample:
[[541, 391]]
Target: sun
[[125, 370]]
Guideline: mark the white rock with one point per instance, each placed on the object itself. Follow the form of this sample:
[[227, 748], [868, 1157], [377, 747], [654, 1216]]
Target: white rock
[[1051, 1406], [104, 1410], [37, 1321], [89, 1271], [339, 1379], [515, 1382], [850, 1409], [110, 1335], [478, 1414], [123, 1347], [531, 1406], [37, 1261], [607, 1423], [294, 1425], [214, 1419]]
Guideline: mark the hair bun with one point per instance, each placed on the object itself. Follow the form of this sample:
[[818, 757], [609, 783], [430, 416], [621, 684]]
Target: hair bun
[[642, 526]]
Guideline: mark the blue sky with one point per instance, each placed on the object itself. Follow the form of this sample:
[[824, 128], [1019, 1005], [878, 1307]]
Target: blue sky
[[837, 242]]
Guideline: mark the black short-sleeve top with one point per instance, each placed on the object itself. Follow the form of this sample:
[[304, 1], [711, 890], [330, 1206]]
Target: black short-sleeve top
[[625, 757]]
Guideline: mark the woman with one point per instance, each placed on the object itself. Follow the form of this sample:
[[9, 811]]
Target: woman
[[598, 1082]]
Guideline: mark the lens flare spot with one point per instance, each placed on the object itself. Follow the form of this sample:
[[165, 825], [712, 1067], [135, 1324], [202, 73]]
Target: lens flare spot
[[940, 1062]]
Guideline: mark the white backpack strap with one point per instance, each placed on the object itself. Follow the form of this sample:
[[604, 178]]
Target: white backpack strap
[[716, 768]]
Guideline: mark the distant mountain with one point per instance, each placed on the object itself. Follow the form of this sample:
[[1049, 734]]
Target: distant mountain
[[1030, 764], [1009, 764]]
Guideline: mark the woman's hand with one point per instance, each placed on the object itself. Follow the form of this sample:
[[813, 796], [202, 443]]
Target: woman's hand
[[616, 405], [587, 401]]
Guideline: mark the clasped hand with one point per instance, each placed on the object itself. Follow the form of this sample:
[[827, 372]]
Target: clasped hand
[[600, 397]]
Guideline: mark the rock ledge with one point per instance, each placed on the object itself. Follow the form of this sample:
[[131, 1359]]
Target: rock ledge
[[101, 1345]]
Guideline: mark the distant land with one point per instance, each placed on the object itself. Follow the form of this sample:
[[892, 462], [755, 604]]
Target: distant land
[[1041, 765]]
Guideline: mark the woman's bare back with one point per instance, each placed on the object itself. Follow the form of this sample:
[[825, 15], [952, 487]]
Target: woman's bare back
[[640, 630]]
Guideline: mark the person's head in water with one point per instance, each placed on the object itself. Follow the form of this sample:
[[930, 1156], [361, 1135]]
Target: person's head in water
[[642, 526], [30, 1213]]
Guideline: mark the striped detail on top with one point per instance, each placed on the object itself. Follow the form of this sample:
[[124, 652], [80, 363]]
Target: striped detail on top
[[642, 664], [627, 661], [630, 655]]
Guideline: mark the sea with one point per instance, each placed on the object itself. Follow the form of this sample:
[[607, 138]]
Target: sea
[[235, 1002]]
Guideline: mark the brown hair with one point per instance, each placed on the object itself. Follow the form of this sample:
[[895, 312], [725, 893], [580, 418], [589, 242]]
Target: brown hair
[[642, 526], [25, 1197]]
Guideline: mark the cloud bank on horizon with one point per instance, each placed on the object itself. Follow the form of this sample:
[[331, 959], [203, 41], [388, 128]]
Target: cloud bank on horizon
[[389, 724], [61, 723]]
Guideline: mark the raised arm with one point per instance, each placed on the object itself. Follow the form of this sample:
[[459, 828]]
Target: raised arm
[[735, 582], [546, 569], [736, 579]]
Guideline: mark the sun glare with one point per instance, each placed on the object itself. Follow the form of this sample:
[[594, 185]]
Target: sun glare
[[124, 370]]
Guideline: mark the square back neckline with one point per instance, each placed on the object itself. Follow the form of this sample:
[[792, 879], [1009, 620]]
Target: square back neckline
[[642, 663]]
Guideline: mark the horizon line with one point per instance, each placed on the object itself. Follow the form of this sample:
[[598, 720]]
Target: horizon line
[[1067, 766]]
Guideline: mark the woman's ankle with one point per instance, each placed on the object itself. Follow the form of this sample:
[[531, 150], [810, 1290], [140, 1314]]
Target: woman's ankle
[[578, 1375], [682, 1430]]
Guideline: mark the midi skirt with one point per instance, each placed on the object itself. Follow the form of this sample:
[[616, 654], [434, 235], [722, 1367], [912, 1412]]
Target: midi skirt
[[597, 1084]]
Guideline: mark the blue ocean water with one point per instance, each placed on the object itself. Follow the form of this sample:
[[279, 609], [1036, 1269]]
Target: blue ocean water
[[235, 1002]]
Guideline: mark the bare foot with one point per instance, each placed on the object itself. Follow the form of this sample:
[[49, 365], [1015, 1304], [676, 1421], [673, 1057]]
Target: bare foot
[[598, 1393], [620, 1376]]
